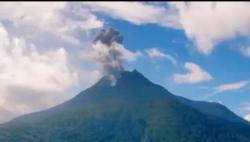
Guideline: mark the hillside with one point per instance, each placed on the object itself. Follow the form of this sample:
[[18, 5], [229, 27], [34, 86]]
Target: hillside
[[132, 110]]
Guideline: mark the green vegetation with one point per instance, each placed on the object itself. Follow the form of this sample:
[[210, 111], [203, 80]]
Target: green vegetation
[[135, 110]]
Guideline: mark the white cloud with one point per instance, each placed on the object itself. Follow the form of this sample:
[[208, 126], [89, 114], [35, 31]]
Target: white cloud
[[36, 75], [209, 23], [135, 12], [52, 17], [246, 106], [247, 117], [156, 53], [195, 74], [245, 51], [26, 73], [36, 71], [231, 86], [205, 23], [21, 63]]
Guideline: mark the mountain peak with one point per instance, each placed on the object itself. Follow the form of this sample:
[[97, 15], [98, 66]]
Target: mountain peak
[[136, 72], [133, 110], [127, 77], [133, 76]]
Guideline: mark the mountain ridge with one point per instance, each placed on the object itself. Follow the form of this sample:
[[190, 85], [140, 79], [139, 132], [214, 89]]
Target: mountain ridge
[[133, 110]]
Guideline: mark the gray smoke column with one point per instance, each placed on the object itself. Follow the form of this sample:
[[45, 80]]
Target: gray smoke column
[[108, 36], [107, 46]]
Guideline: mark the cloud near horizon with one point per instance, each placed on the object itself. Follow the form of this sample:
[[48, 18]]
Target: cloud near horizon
[[247, 117], [24, 67], [231, 86], [36, 69]]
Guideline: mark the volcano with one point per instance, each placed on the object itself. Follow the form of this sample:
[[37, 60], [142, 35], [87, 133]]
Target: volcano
[[132, 110]]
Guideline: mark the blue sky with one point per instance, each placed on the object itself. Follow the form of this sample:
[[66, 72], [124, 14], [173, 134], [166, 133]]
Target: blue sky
[[193, 50], [225, 64]]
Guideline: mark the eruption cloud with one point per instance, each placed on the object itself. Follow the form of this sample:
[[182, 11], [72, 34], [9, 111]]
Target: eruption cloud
[[108, 52]]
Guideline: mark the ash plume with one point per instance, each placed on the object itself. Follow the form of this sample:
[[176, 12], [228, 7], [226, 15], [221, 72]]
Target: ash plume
[[109, 36], [108, 50]]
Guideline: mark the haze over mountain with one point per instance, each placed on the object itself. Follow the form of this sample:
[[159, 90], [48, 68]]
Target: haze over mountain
[[124, 106]]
